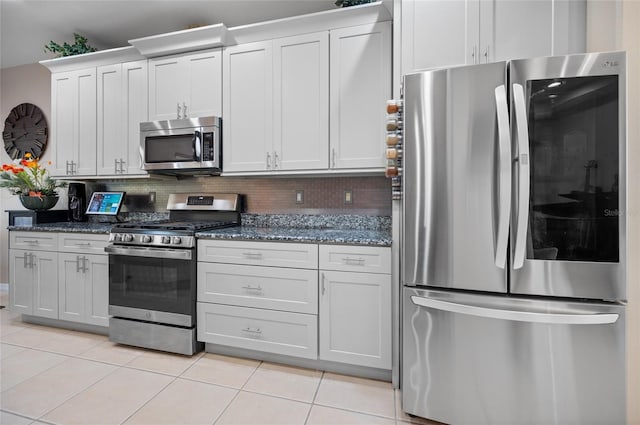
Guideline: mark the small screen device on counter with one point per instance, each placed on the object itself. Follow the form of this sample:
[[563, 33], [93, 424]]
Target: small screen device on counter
[[105, 203]]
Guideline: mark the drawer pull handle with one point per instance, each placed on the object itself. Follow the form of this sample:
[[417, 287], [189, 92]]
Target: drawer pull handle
[[253, 255], [353, 261], [83, 243], [253, 288], [255, 332], [32, 241]]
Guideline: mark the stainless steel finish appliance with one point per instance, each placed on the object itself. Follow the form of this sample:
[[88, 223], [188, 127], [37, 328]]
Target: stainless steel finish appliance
[[77, 195], [152, 272], [185, 146], [514, 242]]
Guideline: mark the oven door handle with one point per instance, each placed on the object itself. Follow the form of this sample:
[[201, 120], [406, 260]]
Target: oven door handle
[[144, 251]]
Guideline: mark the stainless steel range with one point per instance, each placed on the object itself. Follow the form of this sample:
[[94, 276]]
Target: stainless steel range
[[152, 272]]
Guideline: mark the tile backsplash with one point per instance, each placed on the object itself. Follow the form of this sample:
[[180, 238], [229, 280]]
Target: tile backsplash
[[269, 195]]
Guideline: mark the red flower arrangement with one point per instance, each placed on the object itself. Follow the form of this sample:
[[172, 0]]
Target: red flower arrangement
[[26, 177]]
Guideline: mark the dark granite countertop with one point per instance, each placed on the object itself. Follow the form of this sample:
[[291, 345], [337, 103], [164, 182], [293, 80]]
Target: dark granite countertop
[[287, 234], [71, 227]]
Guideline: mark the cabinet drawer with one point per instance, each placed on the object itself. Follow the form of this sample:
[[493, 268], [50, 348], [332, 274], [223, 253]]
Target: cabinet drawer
[[291, 334], [82, 243], [35, 241], [369, 259], [274, 254], [273, 288]]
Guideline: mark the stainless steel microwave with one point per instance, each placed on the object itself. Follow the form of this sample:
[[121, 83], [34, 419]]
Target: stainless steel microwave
[[186, 146]]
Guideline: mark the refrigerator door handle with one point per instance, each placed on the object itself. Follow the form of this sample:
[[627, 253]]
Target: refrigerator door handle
[[522, 133], [504, 176], [568, 318]]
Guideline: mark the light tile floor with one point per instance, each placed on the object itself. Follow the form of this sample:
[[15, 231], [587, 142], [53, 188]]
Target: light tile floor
[[54, 376]]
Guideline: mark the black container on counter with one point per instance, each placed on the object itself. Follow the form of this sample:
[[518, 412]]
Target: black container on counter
[[29, 217], [77, 202]]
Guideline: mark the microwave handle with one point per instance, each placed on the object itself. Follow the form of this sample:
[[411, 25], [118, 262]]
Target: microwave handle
[[197, 145]]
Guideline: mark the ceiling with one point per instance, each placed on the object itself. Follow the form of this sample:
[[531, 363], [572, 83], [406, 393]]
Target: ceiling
[[26, 26]]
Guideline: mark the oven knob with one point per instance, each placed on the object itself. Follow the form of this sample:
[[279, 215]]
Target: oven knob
[[176, 240], [127, 237], [146, 238], [117, 237], [166, 239]]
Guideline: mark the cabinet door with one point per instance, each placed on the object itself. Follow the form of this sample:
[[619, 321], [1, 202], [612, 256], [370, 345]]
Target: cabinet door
[[63, 101], [85, 141], [135, 109], [71, 280], [45, 284], [439, 33], [301, 102], [96, 294], [355, 318], [20, 281], [110, 131], [360, 85], [247, 107], [166, 88], [515, 29], [203, 82]]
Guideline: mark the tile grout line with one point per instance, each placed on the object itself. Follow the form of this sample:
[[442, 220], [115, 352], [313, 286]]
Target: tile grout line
[[151, 398]]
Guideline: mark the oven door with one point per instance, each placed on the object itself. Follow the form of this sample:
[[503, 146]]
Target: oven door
[[152, 284]]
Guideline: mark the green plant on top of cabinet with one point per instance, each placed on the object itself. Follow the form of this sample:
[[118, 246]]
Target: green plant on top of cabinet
[[122, 105], [276, 104], [482, 31], [185, 85], [73, 123]]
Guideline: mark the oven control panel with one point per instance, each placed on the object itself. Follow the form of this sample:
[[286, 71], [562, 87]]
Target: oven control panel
[[146, 239]]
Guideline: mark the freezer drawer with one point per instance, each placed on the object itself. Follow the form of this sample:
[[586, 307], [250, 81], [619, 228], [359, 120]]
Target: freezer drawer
[[482, 359]]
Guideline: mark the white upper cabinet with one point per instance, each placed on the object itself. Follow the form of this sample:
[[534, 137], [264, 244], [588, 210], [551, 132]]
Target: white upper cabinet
[[301, 100], [122, 105], [440, 33], [248, 114], [185, 86], [360, 86], [280, 87], [73, 123]]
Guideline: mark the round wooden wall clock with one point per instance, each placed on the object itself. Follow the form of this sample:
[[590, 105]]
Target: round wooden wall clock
[[25, 130]]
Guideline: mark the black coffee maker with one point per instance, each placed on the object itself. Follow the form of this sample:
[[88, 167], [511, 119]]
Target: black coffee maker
[[77, 202]]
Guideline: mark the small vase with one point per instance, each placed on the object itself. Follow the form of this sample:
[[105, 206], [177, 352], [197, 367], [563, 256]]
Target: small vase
[[38, 203]]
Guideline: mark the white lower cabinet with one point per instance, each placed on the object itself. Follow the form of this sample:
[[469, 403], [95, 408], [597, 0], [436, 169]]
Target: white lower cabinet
[[326, 302], [355, 305], [33, 282], [355, 318], [83, 294], [259, 295], [63, 276], [278, 332]]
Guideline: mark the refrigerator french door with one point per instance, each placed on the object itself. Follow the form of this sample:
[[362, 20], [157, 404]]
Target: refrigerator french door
[[514, 242]]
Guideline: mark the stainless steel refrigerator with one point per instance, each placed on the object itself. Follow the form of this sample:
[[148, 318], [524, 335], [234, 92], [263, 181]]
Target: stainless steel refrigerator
[[514, 242]]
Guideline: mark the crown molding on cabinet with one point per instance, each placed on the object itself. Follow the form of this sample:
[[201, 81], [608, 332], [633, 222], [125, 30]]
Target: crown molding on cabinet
[[219, 35], [313, 22], [181, 41], [93, 59]]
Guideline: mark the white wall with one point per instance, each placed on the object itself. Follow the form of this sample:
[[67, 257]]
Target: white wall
[[614, 25], [20, 84]]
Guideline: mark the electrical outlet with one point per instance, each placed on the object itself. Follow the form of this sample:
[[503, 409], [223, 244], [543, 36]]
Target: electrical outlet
[[299, 196], [348, 197]]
